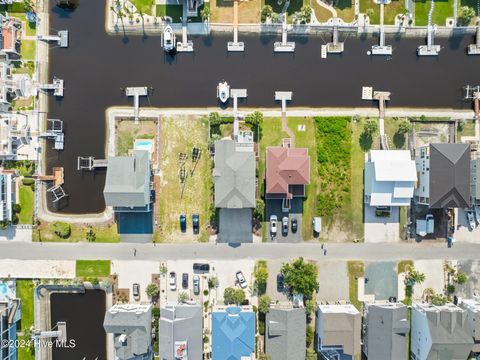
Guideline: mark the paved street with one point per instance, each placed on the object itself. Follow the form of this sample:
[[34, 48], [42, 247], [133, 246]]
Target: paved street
[[125, 251]]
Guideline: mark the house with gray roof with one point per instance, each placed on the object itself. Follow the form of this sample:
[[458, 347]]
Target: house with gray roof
[[127, 185], [181, 332], [285, 337], [385, 331], [444, 172], [235, 186], [131, 327], [439, 333], [472, 307]]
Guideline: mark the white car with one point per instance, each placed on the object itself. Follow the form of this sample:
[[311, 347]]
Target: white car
[[172, 282], [273, 225], [241, 279], [471, 220]]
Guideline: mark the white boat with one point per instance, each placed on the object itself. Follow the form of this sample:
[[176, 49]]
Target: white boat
[[168, 39], [223, 91], [471, 220], [477, 214]]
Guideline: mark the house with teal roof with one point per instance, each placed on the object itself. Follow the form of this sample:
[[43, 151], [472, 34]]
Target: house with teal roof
[[233, 333]]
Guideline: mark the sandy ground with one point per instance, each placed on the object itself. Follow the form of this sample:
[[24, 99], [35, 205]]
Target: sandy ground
[[37, 269], [130, 272], [333, 281]]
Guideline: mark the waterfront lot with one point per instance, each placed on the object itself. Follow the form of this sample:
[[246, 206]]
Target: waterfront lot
[[26, 195], [248, 11], [89, 268], [126, 131], [102, 233], [28, 49], [24, 291], [390, 11], [179, 135], [442, 10]]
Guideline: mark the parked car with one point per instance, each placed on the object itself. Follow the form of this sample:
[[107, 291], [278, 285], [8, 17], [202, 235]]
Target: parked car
[[173, 281], [273, 225], [136, 291], [317, 226], [196, 284], [201, 267], [185, 280], [241, 279], [183, 223], [294, 225], [285, 226], [471, 220], [196, 223], [280, 283]]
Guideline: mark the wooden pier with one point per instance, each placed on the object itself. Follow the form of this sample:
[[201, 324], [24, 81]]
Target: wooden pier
[[57, 177]]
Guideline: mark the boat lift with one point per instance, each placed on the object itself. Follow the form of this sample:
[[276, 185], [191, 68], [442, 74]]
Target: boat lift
[[54, 132], [61, 38], [90, 163], [474, 49], [284, 45], [56, 86], [185, 45], [382, 49]]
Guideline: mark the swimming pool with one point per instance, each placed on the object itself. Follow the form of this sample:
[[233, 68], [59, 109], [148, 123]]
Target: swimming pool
[[143, 144], [3, 289]]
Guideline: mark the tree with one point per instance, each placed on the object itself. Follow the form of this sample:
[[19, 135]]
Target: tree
[[91, 237], [259, 211], [152, 291], [371, 126], [182, 297], [205, 13], [310, 307], [212, 282], [309, 336], [414, 277], [404, 127], [370, 12], [264, 357], [17, 208], [451, 288], [266, 13], [466, 15], [28, 5], [61, 229], [256, 120], [300, 277], [311, 354], [304, 16], [264, 304], [461, 278], [261, 277], [233, 296]]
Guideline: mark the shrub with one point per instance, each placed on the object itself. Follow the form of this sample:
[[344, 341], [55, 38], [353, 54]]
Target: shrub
[[233, 296], [264, 304], [261, 327], [309, 336], [451, 289], [61, 229], [28, 181], [17, 208], [152, 290], [205, 292], [267, 12]]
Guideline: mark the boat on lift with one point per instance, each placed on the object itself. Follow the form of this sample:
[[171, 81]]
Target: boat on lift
[[223, 91], [168, 39]]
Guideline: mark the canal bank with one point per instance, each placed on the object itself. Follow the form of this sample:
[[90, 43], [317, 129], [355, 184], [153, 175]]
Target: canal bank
[[96, 67]]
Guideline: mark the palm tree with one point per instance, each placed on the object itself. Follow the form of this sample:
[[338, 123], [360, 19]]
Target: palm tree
[[120, 14], [205, 13], [140, 12]]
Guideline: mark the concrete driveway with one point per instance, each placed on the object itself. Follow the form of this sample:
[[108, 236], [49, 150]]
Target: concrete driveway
[[463, 233], [181, 267], [274, 207], [333, 281], [274, 268], [381, 229], [131, 272], [381, 279], [225, 272], [434, 277], [472, 287]]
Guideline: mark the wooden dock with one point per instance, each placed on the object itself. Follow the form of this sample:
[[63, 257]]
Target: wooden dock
[[57, 177]]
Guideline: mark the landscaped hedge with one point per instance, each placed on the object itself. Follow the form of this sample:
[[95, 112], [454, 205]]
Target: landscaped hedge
[[61, 229]]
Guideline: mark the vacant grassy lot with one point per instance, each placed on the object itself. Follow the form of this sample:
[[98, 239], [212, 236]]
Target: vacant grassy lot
[[174, 11], [391, 10], [103, 234], [27, 49], [295, 5], [24, 289], [355, 270], [443, 9], [396, 140], [179, 135], [248, 11], [144, 6], [127, 131], [92, 268], [26, 201]]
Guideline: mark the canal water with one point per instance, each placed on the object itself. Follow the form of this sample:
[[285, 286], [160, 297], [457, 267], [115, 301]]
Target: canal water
[[96, 66], [84, 315]]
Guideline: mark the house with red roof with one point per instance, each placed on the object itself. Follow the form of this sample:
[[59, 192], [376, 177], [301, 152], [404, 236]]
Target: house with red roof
[[287, 173], [10, 35]]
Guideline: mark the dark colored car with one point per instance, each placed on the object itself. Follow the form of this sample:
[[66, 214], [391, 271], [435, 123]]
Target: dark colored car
[[183, 223], [185, 280], [196, 223], [280, 284], [294, 224], [201, 267]]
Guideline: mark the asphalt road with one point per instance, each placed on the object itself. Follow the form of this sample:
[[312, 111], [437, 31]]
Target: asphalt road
[[124, 251]]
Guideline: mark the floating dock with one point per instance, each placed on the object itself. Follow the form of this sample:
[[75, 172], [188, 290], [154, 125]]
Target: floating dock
[[235, 45], [474, 49], [90, 163], [335, 47], [61, 38]]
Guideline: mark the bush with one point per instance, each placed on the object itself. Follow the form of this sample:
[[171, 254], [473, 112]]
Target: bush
[[233, 296], [17, 208], [205, 292], [259, 211], [212, 282], [264, 304], [461, 278], [267, 12], [261, 277], [466, 15], [300, 277], [152, 290], [451, 289], [261, 327], [94, 281], [28, 181], [61, 229], [309, 336]]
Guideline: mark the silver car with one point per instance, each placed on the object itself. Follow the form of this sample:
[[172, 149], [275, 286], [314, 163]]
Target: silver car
[[196, 284]]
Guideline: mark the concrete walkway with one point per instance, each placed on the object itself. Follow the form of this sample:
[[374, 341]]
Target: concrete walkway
[[328, 7]]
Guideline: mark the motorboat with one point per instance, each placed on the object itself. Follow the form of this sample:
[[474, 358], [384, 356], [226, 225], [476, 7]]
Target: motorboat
[[223, 91], [471, 220], [477, 214], [168, 39]]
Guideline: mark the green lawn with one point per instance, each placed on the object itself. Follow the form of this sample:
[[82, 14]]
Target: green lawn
[[304, 139], [143, 5], [321, 13], [396, 140], [443, 9], [466, 129], [26, 201], [25, 290], [391, 10], [103, 234], [345, 10], [355, 270], [92, 268], [27, 49], [174, 11], [403, 266], [295, 5]]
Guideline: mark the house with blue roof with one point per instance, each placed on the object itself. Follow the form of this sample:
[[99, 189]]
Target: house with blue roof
[[233, 333]]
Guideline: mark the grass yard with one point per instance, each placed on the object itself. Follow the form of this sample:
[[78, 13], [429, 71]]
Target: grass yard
[[127, 131], [144, 6], [345, 10], [103, 234], [174, 11], [25, 289], [321, 13], [466, 129], [355, 270], [27, 49], [304, 139], [249, 11], [181, 134], [443, 9], [396, 140], [403, 266], [92, 268], [295, 5], [391, 10], [27, 198]]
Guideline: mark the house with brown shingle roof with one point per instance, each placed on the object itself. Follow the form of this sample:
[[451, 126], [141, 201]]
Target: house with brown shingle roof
[[287, 173]]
